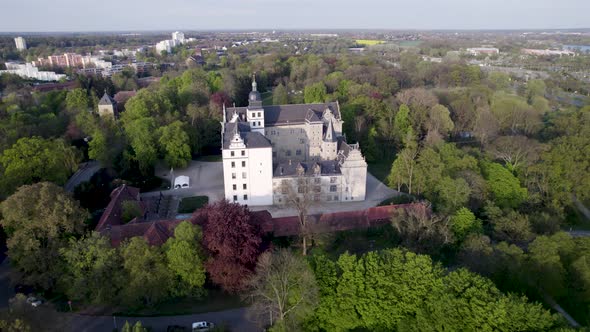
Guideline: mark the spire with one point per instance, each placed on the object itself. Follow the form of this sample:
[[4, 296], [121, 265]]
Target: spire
[[330, 133], [254, 85], [224, 119]]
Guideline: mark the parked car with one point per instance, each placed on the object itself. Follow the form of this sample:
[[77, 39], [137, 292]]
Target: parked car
[[35, 302], [202, 326]]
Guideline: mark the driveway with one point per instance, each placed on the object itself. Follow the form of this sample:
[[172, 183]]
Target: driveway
[[84, 173], [206, 179], [235, 319]]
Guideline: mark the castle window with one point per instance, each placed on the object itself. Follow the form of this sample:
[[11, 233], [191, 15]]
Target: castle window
[[235, 198], [233, 176], [301, 141], [259, 114], [243, 153], [335, 198], [243, 175], [235, 187], [333, 189], [317, 189], [233, 164], [231, 153], [245, 197], [317, 181], [288, 153], [298, 152], [332, 180], [244, 186], [243, 164]]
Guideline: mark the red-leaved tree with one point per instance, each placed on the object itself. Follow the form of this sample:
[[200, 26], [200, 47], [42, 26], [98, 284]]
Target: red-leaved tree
[[233, 242]]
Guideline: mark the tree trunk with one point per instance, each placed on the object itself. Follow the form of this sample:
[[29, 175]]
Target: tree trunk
[[304, 238]]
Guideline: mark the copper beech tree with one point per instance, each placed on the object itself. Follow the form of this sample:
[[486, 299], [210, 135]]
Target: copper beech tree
[[232, 240]]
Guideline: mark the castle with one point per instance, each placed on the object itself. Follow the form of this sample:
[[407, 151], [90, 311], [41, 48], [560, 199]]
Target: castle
[[268, 149]]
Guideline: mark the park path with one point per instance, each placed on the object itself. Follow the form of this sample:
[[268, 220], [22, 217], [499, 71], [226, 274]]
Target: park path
[[84, 173]]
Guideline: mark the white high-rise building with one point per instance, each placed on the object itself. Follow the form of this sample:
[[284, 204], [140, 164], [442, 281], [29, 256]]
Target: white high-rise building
[[178, 36], [21, 43], [268, 149]]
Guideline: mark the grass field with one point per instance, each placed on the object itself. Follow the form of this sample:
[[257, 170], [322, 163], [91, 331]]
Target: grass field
[[369, 42], [190, 204]]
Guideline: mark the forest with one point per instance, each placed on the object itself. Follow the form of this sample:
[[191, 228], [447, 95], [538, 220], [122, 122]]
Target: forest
[[502, 166]]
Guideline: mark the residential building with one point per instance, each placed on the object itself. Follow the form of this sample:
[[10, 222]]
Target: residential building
[[27, 70], [270, 152], [21, 43], [547, 52], [167, 45], [483, 50]]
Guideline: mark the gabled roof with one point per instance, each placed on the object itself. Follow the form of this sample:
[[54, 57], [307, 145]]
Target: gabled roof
[[327, 167], [252, 140], [106, 100], [112, 215], [277, 115]]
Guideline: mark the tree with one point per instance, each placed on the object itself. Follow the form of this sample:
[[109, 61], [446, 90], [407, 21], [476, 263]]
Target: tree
[[403, 167], [420, 230], [280, 95], [186, 260], [141, 133], [535, 88], [174, 143], [77, 101], [439, 123], [372, 292], [516, 151], [36, 159], [402, 123], [470, 302], [503, 185], [298, 194], [283, 290], [463, 223], [232, 240], [38, 219], [315, 93], [147, 278], [93, 272]]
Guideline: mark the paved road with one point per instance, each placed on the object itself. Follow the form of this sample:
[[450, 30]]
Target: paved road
[[86, 171], [235, 319]]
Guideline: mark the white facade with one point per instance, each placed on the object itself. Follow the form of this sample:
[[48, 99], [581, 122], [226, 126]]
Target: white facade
[[27, 70], [265, 148], [21, 43], [178, 36], [167, 45]]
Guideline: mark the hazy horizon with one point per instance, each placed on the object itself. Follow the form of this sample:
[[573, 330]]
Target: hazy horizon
[[233, 15]]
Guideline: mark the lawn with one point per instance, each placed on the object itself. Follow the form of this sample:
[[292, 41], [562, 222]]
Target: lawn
[[190, 204]]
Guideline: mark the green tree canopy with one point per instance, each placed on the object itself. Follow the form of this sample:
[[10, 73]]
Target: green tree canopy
[[174, 143], [185, 259], [38, 219]]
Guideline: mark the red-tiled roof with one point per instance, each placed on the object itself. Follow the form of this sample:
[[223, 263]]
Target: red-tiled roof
[[113, 213], [157, 232]]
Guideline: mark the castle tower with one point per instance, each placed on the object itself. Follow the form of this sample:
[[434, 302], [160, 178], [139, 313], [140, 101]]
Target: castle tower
[[329, 150], [255, 112], [107, 107]]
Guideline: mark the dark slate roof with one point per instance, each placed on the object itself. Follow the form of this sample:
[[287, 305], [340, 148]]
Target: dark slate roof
[[252, 139], [330, 135], [277, 115], [328, 167], [106, 100]]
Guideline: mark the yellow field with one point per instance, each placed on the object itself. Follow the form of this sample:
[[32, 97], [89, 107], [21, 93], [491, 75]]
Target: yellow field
[[369, 42]]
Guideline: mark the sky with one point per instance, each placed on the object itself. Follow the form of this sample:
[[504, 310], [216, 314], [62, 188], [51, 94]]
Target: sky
[[141, 15]]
